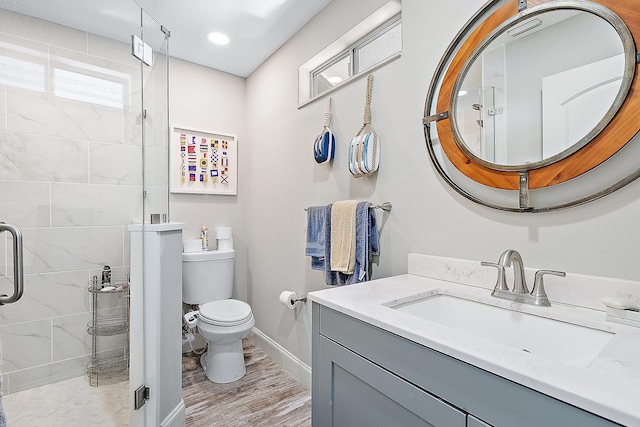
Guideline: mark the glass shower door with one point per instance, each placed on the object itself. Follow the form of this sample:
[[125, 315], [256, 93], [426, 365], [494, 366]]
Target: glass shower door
[[80, 159], [151, 47], [155, 120]]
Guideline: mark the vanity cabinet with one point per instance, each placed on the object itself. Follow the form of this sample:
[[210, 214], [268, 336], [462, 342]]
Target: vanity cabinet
[[366, 376]]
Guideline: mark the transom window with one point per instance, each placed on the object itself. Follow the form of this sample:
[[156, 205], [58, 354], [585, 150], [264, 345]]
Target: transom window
[[383, 43], [372, 43]]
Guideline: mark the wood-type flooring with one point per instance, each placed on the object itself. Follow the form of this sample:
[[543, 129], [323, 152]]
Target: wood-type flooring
[[265, 396]]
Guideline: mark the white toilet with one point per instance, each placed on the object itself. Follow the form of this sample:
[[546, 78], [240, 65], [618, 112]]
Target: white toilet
[[207, 280]]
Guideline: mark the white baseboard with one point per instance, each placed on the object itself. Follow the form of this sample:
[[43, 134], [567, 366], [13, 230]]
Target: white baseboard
[[290, 363], [177, 417]]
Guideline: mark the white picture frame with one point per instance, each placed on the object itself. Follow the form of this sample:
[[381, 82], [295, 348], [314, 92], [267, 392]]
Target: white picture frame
[[203, 162]]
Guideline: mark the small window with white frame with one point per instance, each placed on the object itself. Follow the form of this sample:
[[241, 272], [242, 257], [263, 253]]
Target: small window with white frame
[[372, 43]]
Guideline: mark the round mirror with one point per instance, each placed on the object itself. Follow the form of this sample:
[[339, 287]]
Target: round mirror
[[538, 89], [531, 96]]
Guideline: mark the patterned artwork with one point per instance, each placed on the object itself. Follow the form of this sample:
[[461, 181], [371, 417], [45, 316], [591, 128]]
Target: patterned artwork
[[203, 162]]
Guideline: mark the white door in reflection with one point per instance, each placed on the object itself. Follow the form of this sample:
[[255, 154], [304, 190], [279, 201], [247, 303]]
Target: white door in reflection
[[574, 101]]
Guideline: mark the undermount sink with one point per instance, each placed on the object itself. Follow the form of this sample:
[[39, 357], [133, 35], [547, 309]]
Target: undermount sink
[[564, 342]]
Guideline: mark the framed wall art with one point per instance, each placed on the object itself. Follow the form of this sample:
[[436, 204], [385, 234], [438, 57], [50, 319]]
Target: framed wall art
[[203, 162]]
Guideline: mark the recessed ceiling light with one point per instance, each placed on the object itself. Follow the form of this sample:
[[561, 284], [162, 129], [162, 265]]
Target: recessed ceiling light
[[334, 80], [462, 93], [524, 27], [218, 38]]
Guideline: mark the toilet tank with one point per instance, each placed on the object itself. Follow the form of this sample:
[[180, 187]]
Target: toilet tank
[[207, 276]]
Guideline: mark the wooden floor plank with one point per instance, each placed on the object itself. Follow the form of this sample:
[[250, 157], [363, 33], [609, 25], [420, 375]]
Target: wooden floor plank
[[265, 396]]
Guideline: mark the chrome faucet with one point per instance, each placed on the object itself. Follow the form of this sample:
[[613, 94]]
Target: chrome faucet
[[520, 291], [508, 258]]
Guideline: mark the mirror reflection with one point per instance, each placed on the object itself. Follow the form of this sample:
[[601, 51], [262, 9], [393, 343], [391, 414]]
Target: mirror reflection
[[540, 89]]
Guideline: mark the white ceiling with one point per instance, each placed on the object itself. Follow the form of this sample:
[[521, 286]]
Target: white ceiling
[[257, 28]]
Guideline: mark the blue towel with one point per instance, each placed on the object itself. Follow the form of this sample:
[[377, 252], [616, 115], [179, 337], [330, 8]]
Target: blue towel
[[367, 240], [367, 245], [315, 236]]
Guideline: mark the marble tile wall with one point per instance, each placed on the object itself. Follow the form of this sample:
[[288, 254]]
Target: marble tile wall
[[71, 177]]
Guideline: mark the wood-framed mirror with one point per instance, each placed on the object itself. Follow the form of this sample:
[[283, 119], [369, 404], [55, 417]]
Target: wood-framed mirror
[[534, 103]]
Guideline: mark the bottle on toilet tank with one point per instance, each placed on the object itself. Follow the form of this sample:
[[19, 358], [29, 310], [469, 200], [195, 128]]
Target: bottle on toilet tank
[[204, 238]]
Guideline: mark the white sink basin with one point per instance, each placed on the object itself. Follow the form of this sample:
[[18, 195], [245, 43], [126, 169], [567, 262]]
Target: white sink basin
[[564, 342]]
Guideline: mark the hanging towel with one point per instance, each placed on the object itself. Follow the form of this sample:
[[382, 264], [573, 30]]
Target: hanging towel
[[331, 277], [367, 240], [315, 236], [367, 245], [343, 236]]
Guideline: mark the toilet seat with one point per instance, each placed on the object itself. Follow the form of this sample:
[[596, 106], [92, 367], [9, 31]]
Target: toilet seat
[[228, 312]]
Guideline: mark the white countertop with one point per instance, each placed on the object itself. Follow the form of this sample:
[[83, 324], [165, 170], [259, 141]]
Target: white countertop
[[609, 386]]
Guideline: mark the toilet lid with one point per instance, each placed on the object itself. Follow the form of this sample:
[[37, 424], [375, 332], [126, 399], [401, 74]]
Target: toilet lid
[[226, 312]]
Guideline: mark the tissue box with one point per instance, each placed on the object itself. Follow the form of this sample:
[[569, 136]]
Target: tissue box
[[194, 245]]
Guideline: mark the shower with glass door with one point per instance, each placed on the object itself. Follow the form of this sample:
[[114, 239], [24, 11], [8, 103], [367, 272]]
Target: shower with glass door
[[83, 154]]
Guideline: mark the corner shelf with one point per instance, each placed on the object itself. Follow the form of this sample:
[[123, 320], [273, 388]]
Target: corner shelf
[[108, 327], [108, 365], [108, 370]]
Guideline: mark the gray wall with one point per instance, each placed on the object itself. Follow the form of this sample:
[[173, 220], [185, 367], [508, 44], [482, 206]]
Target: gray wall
[[278, 177], [210, 100], [428, 217]]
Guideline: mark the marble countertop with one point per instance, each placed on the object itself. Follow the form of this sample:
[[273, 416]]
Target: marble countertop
[[609, 386]]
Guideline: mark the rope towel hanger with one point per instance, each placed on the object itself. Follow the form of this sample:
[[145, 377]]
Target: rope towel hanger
[[325, 143], [364, 153], [326, 124]]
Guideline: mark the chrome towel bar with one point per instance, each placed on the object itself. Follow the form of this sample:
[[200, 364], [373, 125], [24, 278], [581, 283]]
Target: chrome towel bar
[[386, 206]]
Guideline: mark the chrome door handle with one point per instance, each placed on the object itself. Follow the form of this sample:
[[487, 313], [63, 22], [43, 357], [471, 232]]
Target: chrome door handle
[[18, 282]]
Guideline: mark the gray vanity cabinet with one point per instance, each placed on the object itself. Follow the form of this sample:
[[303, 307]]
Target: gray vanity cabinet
[[364, 394], [365, 376]]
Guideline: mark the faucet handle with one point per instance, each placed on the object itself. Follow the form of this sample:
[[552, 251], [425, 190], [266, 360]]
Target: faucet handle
[[538, 291], [501, 282]]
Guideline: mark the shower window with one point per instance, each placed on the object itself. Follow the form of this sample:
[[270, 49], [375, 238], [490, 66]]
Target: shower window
[[21, 74], [82, 87]]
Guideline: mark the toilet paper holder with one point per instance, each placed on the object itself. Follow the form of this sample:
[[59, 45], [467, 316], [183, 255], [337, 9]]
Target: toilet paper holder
[[291, 300]]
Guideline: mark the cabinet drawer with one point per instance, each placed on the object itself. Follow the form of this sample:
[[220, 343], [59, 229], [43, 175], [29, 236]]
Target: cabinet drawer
[[357, 392]]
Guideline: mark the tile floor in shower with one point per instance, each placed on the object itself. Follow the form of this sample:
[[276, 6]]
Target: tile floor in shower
[[265, 396]]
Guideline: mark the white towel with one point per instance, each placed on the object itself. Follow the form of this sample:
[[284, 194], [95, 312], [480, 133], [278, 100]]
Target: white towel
[[343, 236]]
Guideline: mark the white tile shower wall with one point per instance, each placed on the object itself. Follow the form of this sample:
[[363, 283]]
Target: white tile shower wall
[[3, 108], [67, 291], [28, 157], [25, 201], [48, 114], [71, 178], [81, 204]]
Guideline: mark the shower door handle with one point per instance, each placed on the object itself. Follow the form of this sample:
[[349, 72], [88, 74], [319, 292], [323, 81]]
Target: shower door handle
[[18, 279]]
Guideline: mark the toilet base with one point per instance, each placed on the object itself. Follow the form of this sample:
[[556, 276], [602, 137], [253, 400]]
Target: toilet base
[[224, 363]]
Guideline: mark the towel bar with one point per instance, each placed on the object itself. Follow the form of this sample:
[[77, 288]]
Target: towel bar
[[386, 206]]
